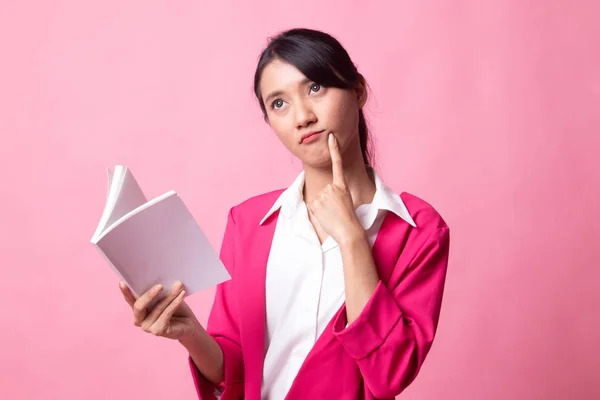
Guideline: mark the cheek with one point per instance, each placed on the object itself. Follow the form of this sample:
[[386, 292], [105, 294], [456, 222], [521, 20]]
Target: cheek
[[343, 117], [282, 129]]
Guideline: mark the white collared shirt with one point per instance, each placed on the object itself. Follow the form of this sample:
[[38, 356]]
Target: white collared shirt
[[305, 281]]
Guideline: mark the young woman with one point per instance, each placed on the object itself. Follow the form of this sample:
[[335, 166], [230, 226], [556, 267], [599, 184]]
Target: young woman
[[337, 281]]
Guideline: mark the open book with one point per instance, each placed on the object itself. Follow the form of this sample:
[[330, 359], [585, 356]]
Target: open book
[[156, 241]]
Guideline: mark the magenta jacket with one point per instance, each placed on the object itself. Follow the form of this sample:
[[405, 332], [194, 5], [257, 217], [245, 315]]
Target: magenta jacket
[[377, 356]]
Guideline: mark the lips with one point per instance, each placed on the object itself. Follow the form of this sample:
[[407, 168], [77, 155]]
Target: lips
[[309, 135]]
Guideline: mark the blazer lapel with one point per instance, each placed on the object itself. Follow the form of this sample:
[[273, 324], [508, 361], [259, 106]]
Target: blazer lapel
[[390, 240], [251, 288]]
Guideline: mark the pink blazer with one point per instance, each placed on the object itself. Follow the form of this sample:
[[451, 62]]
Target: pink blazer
[[377, 356]]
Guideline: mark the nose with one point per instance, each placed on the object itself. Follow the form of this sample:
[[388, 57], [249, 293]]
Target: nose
[[304, 115]]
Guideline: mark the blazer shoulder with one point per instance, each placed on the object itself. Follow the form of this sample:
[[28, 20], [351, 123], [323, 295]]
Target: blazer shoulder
[[426, 217], [253, 209]]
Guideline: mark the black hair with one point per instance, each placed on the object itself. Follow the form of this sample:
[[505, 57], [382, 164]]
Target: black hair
[[322, 59]]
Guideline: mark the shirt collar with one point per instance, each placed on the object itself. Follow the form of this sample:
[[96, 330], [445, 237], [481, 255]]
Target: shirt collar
[[384, 199]]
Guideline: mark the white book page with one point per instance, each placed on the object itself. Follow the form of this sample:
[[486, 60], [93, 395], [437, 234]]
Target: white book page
[[129, 194], [124, 195], [111, 196], [133, 212]]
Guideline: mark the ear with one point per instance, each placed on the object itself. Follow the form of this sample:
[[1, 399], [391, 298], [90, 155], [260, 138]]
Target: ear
[[361, 91]]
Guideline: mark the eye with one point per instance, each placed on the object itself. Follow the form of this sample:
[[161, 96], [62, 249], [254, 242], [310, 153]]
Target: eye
[[277, 104], [315, 87]]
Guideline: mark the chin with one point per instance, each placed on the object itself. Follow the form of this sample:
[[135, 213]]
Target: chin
[[321, 161]]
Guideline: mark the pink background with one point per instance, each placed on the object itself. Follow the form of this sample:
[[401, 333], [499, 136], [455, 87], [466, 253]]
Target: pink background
[[487, 109]]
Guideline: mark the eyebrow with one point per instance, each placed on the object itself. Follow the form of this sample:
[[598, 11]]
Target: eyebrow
[[280, 92]]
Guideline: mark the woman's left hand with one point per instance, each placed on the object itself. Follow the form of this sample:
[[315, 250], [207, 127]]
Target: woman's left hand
[[333, 207]]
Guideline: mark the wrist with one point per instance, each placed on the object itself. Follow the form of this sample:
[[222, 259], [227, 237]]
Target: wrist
[[191, 338], [353, 236]]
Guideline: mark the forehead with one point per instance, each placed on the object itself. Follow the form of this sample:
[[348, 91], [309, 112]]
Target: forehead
[[280, 75]]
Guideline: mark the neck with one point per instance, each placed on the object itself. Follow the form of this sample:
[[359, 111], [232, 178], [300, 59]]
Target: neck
[[358, 180]]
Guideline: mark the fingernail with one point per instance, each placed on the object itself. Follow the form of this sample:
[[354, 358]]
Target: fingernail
[[158, 287], [178, 285]]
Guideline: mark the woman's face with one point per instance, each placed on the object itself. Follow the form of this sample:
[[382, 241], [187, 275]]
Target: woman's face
[[297, 107]]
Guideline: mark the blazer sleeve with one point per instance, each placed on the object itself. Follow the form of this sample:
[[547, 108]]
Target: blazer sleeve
[[394, 332], [223, 327]]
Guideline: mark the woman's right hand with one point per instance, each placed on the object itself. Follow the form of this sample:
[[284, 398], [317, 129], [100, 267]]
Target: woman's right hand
[[170, 317]]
